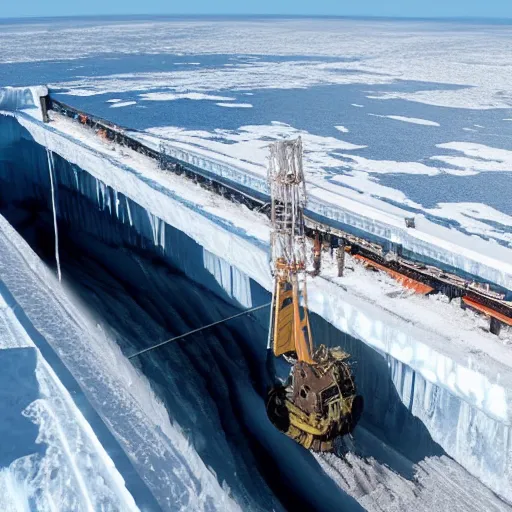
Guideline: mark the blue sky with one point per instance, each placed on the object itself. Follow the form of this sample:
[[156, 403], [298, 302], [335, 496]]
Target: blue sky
[[414, 8]]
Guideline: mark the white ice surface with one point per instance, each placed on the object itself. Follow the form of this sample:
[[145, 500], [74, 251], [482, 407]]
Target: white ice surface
[[258, 75], [246, 144], [476, 157], [74, 472], [438, 484], [360, 163], [365, 183], [169, 96], [476, 218]]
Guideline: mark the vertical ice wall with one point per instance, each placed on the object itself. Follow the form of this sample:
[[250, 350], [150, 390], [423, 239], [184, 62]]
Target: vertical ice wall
[[235, 283]]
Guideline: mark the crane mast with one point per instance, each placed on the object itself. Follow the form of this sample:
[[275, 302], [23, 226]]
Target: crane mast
[[290, 330]]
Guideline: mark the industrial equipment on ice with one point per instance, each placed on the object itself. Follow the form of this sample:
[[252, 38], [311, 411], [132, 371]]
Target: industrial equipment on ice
[[319, 401]]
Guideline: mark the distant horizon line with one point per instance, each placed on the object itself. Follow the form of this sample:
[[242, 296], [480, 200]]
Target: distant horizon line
[[235, 15]]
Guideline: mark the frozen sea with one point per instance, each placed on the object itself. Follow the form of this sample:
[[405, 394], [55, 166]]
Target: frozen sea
[[409, 114]]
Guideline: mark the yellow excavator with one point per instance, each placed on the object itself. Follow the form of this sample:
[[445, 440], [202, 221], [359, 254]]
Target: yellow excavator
[[319, 401]]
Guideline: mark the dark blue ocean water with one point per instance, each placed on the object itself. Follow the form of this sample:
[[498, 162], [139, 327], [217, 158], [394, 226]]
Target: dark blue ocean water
[[316, 109]]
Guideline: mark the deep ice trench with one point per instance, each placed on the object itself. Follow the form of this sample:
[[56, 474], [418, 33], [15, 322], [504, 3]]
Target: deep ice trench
[[145, 281]]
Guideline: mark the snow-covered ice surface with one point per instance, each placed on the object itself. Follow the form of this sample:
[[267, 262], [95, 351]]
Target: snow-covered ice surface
[[50, 458], [438, 483], [235, 105], [166, 96], [477, 158], [119, 104]]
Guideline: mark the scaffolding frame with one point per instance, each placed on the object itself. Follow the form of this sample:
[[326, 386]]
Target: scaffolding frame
[[290, 330]]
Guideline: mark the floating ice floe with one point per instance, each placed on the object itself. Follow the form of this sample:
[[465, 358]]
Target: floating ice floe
[[171, 96], [119, 104], [412, 120], [235, 105], [476, 158]]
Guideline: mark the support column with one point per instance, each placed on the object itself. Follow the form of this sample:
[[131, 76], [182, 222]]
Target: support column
[[44, 108], [340, 258], [495, 327], [317, 254]]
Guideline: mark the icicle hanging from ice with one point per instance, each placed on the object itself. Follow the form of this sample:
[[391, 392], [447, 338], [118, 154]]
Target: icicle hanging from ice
[[234, 282], [51, 170]]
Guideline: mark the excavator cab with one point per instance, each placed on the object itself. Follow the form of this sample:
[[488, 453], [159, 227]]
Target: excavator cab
[[319, 401]]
